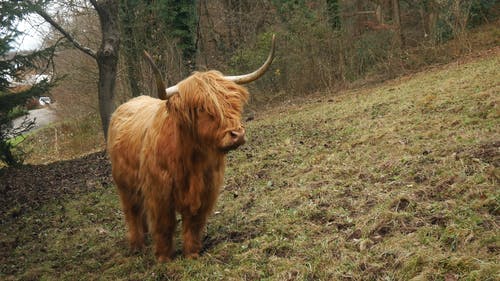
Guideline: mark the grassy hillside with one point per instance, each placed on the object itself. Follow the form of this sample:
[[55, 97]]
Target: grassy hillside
[[397, 182]]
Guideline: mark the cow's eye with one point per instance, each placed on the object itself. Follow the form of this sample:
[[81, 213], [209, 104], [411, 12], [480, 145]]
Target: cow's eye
[[201, 110]]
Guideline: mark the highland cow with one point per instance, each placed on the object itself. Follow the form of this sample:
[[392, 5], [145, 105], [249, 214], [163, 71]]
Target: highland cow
[[168, 155]]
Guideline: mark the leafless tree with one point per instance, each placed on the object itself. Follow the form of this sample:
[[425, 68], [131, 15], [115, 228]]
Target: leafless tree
[[106, 56]]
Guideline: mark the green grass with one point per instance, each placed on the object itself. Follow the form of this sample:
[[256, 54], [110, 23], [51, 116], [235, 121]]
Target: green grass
[[395, 182], [16, 140]]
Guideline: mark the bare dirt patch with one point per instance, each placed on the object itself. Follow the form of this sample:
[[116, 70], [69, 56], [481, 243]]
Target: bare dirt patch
[[28, 187]]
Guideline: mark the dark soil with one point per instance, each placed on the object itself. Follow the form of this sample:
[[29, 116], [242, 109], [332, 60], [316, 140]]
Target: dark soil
[[26, 188]]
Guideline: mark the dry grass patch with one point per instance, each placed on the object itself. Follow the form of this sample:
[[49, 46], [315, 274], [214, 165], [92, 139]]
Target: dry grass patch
[[66, 139], [396, 182]]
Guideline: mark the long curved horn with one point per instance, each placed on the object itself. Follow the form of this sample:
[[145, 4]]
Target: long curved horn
[[247, 78], [160, 85], [239, 79], [172, 90]]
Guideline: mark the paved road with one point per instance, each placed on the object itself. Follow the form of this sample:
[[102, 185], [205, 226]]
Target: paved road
[[42, 116]]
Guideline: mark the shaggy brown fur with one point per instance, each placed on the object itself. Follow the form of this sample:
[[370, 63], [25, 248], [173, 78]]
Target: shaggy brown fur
[[169, 156]]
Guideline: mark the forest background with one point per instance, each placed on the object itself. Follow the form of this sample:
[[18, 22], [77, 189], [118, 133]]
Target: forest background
[[323, 45]]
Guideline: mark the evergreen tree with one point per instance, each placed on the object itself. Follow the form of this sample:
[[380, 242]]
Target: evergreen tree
[[11, 66], [183, 26], [333, 9], [148, 25]]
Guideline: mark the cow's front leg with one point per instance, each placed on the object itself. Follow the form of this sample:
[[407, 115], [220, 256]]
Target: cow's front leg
[[162, 222], [192, 230]]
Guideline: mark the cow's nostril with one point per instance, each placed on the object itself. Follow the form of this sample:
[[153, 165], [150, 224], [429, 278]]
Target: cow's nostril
[[237, 138]]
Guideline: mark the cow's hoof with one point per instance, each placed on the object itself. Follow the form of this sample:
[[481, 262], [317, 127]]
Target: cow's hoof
[[192, 256], [164, 259], [136, 247]]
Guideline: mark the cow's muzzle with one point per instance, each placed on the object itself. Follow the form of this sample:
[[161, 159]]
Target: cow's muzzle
[[238, 137]]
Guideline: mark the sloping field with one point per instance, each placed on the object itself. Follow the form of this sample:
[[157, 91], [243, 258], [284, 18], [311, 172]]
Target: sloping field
[[397, 182]]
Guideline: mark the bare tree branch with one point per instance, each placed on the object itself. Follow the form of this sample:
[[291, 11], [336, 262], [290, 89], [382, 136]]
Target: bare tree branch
[[68, 36]]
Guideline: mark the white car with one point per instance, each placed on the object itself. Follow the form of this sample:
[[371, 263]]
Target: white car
[[44, 100]]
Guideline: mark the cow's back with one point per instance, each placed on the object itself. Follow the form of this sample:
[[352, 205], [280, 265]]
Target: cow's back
[[127, 130]]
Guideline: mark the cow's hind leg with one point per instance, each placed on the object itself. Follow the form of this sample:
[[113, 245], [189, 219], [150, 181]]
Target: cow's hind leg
[[135, 217]]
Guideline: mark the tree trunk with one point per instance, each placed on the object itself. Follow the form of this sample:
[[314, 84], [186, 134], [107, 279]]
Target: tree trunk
[[396, 16], [379, 14], [107, 58], [358, 26], [129, 45]]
